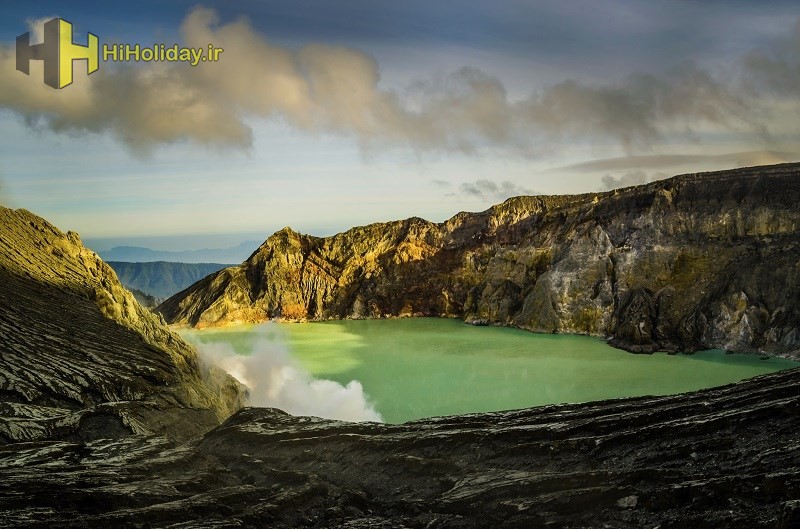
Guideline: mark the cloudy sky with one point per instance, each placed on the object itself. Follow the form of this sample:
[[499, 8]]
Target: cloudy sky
[[323, 114]]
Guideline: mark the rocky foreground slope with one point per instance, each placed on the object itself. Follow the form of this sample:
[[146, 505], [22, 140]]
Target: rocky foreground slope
[[695, 261], [717, 459], [81, 358]]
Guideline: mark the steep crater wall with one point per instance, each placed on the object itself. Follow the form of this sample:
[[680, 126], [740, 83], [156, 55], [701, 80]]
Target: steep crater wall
[[695, 261]]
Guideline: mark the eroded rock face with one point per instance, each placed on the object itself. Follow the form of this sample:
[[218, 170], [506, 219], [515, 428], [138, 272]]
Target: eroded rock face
[[81, 359], [721, 458], [696, 261]]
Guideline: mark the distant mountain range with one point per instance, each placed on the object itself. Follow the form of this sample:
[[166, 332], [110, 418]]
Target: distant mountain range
[[161, 279], [138, 254]]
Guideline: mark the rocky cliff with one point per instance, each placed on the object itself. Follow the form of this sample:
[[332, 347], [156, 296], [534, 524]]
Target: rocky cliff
[[695, 261], [81, 358]]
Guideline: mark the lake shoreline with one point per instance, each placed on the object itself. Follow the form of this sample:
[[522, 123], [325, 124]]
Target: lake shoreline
[[473, 323], [413, 368]]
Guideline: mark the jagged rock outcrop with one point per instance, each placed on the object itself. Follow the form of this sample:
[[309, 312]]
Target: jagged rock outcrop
[[81, 359], [144, 299], [722, 458], [695, 261]]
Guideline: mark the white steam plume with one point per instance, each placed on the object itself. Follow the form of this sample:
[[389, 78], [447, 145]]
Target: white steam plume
[[276, 380]]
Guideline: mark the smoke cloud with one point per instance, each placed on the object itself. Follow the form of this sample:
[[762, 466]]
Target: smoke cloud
[[336, 90], [277, 380]]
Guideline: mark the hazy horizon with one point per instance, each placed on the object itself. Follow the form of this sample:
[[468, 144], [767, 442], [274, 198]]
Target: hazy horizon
[[180, 242], [174, 242]]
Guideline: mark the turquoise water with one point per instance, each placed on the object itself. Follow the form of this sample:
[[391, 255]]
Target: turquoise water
[[422, 367]]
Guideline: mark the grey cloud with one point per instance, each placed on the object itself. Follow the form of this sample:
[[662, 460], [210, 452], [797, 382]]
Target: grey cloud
[[672, 161], [631, 178], [441, 183], [326, 89], [488, 190], [644, 108], [632, 162], [775, 68]]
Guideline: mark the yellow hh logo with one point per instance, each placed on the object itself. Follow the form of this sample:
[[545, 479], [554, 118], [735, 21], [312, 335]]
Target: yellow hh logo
[[58, 53]]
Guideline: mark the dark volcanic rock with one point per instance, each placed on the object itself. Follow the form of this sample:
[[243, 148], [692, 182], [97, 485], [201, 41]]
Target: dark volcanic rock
[[721, 458], [695, 261], [81, 359]]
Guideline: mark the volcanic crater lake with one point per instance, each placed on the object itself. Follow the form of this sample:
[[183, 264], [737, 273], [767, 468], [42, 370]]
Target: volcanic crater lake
[[422, 367]]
